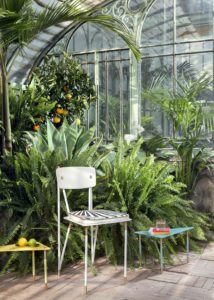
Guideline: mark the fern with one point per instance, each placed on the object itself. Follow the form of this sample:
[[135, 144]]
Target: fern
[[147, 190]]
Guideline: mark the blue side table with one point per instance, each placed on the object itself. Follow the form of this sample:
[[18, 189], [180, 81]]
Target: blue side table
[[173, 231]]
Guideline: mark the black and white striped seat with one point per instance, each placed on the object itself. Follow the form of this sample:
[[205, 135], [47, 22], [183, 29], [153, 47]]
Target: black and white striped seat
[[96, 217]]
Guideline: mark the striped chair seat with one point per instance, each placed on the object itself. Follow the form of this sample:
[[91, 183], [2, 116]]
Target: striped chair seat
[[96, 217]]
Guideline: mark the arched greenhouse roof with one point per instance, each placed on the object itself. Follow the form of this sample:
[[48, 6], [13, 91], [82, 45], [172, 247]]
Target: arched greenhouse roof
[[20, 64]]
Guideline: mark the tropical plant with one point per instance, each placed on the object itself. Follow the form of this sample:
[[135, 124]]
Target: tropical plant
[[64, 82], [28, 110], [147, 190], [20, 23], [191, 119], [32, 193]]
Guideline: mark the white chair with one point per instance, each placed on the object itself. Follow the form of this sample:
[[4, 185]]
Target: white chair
[[85, 178]]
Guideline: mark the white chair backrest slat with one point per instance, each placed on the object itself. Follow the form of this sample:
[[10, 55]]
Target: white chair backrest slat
[[76, 177]]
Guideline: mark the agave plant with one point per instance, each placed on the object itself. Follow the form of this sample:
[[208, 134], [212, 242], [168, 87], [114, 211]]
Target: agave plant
[[32, 201], [147, 190]]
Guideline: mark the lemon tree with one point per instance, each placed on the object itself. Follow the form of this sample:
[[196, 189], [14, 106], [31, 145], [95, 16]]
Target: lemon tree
[[64, 82]]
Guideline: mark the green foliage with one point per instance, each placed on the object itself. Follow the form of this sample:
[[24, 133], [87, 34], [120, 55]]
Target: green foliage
[[32, 190], [147, 190], [27, 107], [21, 22], [191, 120], [64, 82], [127, 181]]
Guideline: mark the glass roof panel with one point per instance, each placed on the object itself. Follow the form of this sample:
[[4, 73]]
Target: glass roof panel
[[20, 65]]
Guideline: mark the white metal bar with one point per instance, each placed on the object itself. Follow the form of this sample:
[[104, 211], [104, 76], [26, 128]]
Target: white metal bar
[[58, 228], [94, 245], [65, 244], [90, 199], [66, 201], [86, 258], [125, 250]]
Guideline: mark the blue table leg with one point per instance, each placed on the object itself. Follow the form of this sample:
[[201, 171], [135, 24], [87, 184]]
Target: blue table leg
[[140, 251], [161, 255], [187, 244]]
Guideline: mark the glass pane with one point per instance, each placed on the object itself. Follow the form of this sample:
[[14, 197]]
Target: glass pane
[[126, 96], [102, 122], [156, 51], [158, 26], [91, 37], [92, 110], [156, 73], [192, 66], [114, 99], [134, 4], [194, 19], [194, 47]]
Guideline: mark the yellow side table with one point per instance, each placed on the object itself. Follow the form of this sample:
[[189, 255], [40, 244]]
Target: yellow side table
[[39, 247]]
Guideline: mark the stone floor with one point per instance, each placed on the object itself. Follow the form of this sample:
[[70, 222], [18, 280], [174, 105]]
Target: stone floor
[[192, 281]]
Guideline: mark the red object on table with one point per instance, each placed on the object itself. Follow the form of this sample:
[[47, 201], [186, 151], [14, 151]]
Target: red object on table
[[157, 230]]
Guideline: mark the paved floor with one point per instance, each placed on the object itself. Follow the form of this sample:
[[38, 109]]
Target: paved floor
[[192, 281]]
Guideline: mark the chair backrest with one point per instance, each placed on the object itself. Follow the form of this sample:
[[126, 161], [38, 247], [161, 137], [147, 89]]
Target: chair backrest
[[75, 178]]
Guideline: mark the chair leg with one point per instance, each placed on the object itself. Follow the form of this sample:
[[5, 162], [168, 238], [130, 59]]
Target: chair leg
[[86, 258], [93, 242], [61, 255], [58, 230], [125, 251]]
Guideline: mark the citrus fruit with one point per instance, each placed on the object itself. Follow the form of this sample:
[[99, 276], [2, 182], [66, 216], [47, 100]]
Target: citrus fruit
[[32, 243], [60, 110], [68, 97], [65, 112], [56, 120], [77, 121], [36, 127], [22, 242]]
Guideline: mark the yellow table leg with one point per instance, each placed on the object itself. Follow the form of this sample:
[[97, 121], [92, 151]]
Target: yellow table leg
[[45, 269], [33, 265]]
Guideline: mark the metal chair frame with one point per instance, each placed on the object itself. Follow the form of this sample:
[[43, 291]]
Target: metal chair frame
[[69, 178]]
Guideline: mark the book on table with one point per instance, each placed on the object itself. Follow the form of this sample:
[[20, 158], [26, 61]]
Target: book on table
[[156, 230]]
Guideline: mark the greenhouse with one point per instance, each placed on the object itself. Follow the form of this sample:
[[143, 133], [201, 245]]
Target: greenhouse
[[106, 143]]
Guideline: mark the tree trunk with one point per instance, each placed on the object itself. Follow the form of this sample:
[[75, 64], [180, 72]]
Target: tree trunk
[[6, 132]]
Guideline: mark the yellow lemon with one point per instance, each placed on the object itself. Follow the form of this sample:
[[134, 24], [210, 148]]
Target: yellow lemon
[[68, 97], [59, 110], [78, 122], [65, 112], [56, 120], [22, 242]]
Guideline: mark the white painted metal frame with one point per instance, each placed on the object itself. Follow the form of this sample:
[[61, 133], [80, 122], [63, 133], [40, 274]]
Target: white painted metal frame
[[81, 178]]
